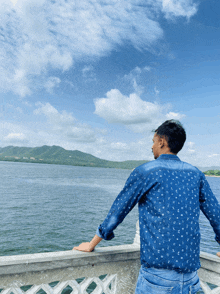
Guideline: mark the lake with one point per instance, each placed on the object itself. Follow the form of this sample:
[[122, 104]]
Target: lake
[[56, 207]]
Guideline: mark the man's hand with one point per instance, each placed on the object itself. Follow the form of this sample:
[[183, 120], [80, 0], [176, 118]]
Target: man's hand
[[86, 247], [218, 254]]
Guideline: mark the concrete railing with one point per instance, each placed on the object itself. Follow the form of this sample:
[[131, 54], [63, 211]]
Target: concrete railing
[[209, 273], [108, 270]]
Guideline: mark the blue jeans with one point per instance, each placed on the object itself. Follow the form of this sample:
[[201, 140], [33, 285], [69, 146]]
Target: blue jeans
[[162, 281]]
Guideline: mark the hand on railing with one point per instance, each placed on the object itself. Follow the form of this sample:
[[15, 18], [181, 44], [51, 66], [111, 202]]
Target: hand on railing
[[86, 247]]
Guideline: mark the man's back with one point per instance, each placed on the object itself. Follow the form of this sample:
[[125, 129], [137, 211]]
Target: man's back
[[169, 214]]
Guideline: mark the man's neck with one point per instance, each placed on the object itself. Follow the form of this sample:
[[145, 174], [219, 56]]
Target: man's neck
[[167, 152]]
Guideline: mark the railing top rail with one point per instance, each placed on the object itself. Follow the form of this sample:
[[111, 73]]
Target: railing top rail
[[48, 256], [210, 262], [56, 260], [209, 256]]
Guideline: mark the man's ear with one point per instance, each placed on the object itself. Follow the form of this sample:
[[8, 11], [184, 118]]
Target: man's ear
[[162, 142]]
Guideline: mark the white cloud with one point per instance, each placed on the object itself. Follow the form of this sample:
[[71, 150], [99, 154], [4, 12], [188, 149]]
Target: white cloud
[[14, 1], [53, 116], [51, 83], [191, 147], [13, 109], [88, 73], [40, 35], [174, 115], [135, 75], [50, 127], [214, 155], [64, 125], [157, 92], [87, 70], [117, 108], [132, 111], [201, 155], [13, 134], [119, 146], [147, 68], [176, 8], [15, 137]]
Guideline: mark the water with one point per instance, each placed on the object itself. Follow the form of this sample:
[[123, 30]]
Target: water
[[54, 208]]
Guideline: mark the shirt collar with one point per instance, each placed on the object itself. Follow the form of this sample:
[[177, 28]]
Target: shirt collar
[[168, 157]]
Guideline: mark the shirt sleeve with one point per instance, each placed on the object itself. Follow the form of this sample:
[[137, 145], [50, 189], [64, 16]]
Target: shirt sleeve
[[210, 207], [123, 204]]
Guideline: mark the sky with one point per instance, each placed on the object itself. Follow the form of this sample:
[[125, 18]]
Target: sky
[[100, 75]]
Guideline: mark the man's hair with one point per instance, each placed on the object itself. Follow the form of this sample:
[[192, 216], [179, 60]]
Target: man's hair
[[174, 133]]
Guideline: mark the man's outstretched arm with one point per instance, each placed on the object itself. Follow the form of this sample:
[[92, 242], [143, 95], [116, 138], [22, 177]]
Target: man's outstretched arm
[[210, 207], [88, 246], [122, 205]]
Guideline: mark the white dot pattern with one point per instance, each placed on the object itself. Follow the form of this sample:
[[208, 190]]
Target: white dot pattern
[[170, 194]]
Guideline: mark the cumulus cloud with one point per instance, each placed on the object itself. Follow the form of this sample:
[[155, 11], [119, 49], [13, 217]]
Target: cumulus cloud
[[65, 125], [132, 111], [40, 35], [176, 8], [118, 108]]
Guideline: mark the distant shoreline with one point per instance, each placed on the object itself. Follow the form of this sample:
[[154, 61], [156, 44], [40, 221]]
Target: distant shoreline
[[212, 176]]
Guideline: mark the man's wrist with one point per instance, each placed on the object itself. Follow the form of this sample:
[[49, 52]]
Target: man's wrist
[[94, 241], [91, 246]]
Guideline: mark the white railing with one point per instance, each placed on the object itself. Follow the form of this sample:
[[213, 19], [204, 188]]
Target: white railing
[[209, 273], [108, 270]]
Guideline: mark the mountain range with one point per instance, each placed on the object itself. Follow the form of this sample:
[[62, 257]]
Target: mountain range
[[58, 155]]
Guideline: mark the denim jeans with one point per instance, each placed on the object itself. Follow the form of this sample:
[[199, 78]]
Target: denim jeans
[[162, 281]]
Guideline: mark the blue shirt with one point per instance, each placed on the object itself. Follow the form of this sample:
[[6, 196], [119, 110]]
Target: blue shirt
[[170, 194]]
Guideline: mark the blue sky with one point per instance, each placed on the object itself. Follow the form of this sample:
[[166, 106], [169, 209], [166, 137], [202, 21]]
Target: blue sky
[[99, 75]]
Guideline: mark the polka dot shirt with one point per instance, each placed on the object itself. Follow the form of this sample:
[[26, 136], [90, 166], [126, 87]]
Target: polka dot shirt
[[170, 194]]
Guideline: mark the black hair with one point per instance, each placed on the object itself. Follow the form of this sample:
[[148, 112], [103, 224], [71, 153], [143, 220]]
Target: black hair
[[174, 133]]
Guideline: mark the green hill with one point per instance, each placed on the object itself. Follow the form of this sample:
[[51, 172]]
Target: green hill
[[212, 173], [58, 155]]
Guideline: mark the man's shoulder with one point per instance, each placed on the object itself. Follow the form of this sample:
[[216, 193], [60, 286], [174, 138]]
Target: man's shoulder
[[190, 167], [155, 165], [148, 166]]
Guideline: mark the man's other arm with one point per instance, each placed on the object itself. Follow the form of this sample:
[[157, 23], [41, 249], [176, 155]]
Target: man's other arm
[[210, 207]]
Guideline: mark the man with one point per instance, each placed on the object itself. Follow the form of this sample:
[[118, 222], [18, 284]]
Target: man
[[170, 194]]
